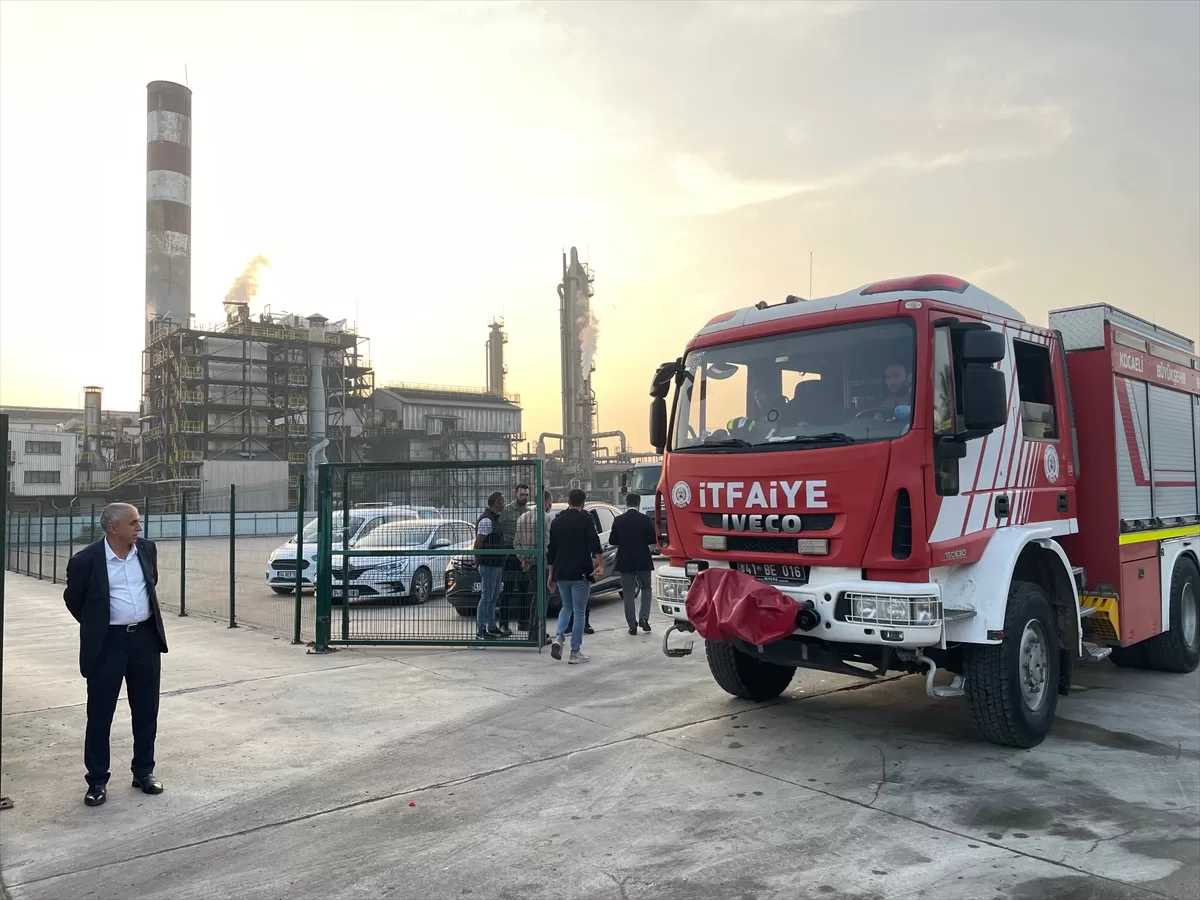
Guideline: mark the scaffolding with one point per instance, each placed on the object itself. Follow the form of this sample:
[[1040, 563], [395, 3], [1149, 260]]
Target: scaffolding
[[240, 391]]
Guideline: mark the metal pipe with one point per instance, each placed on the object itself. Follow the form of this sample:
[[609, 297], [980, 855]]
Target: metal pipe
[[953, 689]]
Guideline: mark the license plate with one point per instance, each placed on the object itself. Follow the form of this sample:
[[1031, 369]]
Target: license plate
[[773, 572], [353, 592], [477, 587]]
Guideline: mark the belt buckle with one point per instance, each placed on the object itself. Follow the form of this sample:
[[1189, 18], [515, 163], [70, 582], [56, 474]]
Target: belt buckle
[[132, 628]]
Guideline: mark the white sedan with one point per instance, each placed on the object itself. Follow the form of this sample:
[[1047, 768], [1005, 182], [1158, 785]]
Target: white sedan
[[398, 577]]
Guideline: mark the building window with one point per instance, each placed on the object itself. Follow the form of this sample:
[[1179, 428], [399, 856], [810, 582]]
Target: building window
[[1036, 388], [53, 448], [43, 477]]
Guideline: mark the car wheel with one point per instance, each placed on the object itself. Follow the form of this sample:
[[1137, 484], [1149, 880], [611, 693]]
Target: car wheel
[[421, 588]]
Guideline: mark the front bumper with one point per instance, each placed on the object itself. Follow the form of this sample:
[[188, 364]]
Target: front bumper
[[827, 593], [371, 587]]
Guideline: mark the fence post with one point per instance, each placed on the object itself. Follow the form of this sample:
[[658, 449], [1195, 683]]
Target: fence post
[[232, 555], [71, 529], [146, 518], [299, 558], [41, 537], [54, 566], [324, 557], [183, 552], [92, 526]]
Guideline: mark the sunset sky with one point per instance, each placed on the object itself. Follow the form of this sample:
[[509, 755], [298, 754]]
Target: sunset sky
[[421, 168]]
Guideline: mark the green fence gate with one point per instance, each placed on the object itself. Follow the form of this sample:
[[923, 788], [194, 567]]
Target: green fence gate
[[396, 562]]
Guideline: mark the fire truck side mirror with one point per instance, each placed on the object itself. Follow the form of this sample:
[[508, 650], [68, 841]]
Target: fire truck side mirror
[[984, 398], [982, 345], [658, 423]]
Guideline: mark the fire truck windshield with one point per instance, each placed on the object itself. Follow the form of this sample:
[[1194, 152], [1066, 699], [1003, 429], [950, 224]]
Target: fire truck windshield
[[822, 387]]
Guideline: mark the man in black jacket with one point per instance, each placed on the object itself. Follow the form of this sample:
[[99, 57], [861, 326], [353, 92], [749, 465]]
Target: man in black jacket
[[110, 592], [632, 534], [574, 559]]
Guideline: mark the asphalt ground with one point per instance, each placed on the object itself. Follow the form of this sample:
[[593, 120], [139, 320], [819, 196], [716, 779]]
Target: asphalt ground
[[447, 773]]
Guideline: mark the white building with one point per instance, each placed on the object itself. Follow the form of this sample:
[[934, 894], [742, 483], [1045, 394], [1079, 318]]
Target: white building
[[42, 463]]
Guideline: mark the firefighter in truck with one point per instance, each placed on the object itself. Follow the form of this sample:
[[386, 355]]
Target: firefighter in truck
[[911, 477]]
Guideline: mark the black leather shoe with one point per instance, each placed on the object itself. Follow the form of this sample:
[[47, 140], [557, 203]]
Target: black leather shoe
[[633, 629], [149, 784], [96, 795], [588, 629], [645, 625]]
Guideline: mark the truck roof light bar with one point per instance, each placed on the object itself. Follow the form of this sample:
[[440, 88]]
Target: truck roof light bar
[[917, 283]]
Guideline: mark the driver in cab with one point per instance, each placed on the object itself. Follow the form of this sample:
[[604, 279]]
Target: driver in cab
[[758, 419], [898, 380]]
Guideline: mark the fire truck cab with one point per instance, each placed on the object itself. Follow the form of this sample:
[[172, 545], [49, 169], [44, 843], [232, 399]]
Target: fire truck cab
[[929, 481]]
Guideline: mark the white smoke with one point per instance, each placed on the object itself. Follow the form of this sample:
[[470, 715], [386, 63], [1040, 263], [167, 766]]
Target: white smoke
[[589, 331], [245, 286]]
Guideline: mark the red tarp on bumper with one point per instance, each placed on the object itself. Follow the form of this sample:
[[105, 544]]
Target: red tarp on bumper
[[725, 604]]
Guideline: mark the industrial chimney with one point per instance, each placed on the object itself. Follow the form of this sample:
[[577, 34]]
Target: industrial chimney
[[92, 398], [496, 370], [168, 203]]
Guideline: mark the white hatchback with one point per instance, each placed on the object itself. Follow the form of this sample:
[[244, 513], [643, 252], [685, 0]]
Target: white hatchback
[[410, 575], [281, 566]]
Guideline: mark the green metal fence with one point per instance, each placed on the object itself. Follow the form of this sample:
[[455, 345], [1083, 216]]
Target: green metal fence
[[222, 555], [396, 562]]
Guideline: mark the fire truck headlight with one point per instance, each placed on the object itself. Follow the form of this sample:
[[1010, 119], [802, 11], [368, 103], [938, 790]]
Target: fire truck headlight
[[895, 609], [865, 608], [925, 612]]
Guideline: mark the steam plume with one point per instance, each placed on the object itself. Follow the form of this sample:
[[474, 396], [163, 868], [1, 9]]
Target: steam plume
[[245, 286], [589, 331]]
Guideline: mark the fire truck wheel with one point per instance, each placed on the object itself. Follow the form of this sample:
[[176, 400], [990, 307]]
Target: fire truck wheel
[[1178, 648], [1012, 687], [744, 676], [1132, 657]]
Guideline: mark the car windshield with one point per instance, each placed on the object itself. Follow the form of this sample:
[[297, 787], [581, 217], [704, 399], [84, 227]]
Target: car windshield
[[310, 530], [823, 387], [400, 534], [645, 479]]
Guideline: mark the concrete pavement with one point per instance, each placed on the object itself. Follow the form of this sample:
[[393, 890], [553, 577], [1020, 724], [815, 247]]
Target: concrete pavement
[[500, 773]]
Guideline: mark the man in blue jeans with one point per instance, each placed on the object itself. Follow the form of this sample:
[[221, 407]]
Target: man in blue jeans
[[491, 568], [574, 559]]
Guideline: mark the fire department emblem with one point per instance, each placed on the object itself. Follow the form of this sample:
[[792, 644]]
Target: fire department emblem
[[1050, 464], [681, 494]]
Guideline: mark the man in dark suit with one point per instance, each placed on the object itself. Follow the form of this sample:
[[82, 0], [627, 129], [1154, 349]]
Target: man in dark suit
[[632, 534], [110, 592]]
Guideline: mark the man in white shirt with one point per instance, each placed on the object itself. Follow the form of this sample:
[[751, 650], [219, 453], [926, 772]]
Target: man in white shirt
[[111, 593]]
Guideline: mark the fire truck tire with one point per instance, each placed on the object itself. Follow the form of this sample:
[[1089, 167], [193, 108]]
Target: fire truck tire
[[1012, 687], [1132, 657], [744, 676], [1178, 648]]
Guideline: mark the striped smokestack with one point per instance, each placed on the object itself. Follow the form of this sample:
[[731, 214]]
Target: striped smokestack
[[168, 203]]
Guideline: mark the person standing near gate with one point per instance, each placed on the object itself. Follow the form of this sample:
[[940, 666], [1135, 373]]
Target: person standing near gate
[[527, 539], [491, 567], [632, 534], [574, 557], [111, 593], [512, 602]]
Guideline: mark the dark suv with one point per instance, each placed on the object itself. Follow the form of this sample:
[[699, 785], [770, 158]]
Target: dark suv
[[462, 576]]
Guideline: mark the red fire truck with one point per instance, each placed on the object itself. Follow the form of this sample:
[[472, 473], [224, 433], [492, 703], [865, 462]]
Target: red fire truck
[[910, 477]]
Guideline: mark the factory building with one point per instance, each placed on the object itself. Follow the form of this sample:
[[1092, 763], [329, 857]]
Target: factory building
[[42, 464], [251, 402], [95, 443]]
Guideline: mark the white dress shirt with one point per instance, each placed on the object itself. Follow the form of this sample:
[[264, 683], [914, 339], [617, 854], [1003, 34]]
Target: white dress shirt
[[128, 599]]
